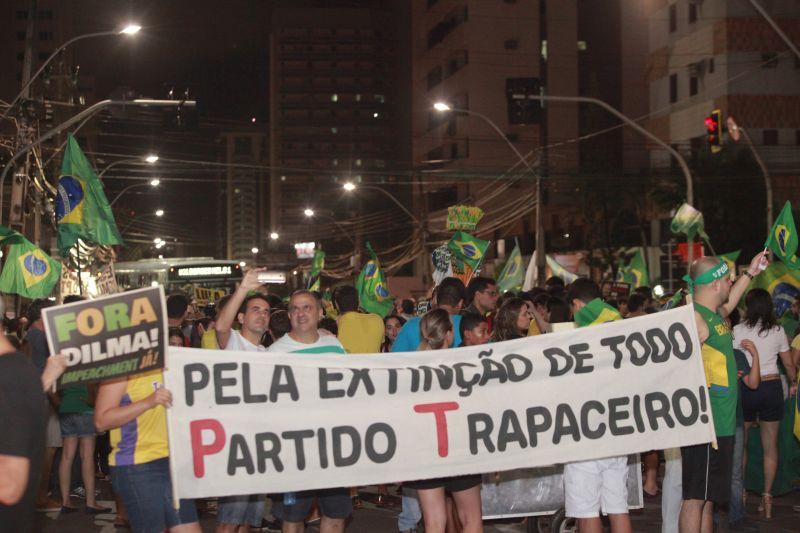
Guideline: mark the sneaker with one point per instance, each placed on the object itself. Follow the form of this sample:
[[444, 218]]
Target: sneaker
[[79, 492]]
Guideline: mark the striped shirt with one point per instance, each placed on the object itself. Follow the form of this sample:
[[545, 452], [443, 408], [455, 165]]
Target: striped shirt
[[143, 439]]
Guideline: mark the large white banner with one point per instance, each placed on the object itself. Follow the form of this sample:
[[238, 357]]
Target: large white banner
[[249, 423]]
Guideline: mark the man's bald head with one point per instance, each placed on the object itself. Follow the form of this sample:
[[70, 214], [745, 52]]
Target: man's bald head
[[712, 293]]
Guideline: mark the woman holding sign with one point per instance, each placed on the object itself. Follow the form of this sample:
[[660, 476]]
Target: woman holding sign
[[134, 409], [436, 330]]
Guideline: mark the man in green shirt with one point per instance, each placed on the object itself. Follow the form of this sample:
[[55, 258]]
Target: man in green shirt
[[707, 469]]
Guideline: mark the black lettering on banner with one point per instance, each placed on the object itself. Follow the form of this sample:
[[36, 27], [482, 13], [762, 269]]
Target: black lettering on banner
[[444, 376], [654, 412], [248, 396], [465, 384], [580, 354], [392, 380], [221, 382], [637, 413], [322, 444], [613, 343], [483, 433], [566, 424], [673, 332], [510, 431], [555, 369], [325, 377], [492, 370], [239, 455], [283, 382], [379, 428], [516, 375], [339, 459], [195, 378], [600, 430], [273, 453], [360, 375], [615, 416], [636, 358], [297, 437], [659, 351], [534, 427], [414, 379], [677, 407]]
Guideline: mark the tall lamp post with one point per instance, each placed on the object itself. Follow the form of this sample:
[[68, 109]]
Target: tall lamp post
[[310, 213], [736, 132], [152, 183], [130, 29], [150, 159]]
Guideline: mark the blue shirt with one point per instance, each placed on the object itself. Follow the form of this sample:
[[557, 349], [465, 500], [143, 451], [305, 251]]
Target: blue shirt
[[409, 337]]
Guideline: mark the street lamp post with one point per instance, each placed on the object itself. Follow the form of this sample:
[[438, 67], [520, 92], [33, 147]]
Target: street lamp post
[[735, 132], [149, 159], [130, 29], [89, 111], [152, 183], [310, 213], [350, 186]]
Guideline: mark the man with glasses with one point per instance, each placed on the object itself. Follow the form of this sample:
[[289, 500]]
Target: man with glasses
[[482, 296], [251, 309]]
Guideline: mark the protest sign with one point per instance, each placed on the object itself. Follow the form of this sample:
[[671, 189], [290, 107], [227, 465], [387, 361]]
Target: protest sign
[[249, 423], [109, 337]]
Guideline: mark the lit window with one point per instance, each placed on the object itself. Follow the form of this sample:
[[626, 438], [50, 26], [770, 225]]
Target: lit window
[[582, 46], [358, 162], [334, 97], [544, 49], [334, 130]]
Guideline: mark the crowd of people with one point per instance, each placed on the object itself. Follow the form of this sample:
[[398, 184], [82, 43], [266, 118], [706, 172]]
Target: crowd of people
[[118, 428]]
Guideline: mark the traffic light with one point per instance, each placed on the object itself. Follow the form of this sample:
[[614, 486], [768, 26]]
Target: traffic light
[[713, 124]]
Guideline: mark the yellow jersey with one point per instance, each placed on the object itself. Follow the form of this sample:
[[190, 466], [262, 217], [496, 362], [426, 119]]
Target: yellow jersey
[[361, 332], [144, 438]]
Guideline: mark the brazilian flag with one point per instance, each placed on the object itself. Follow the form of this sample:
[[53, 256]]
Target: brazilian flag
[[317, 264], [781, 282], [467, 248], [596, 312], [513, 275], [730, 259], [82, 210], [27, 270], [636, 272], [782, 240], [373, 292]]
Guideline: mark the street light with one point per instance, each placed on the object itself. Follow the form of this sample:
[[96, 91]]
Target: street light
[[152, 158], [130, 29], [737, 132], [350, 186], [152, 183], [308, 212], [159, 213], [274, 236], [254, 250]]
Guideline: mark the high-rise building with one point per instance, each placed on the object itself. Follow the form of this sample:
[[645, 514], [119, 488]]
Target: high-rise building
[[337, 102]]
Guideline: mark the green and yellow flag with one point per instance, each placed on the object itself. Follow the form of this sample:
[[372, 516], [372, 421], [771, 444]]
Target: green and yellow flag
[[782, 239], [689, 221], [797, 413], [513, 275], [730, 259], [468, 249], [596, 312], [781, 282], [27, 270], [636, 272], [82, 210], [373, 292], [559, 271], [317, 265]]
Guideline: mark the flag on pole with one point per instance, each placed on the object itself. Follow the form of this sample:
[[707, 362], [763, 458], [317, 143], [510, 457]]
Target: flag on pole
[[730, 259], [596, 312], [689, 221], [27, 270], [635, 273], [82, 210], [782, 239], [467, 249], [781, 282], [317, 265], [512, 276], [373, 292], [559, 271]]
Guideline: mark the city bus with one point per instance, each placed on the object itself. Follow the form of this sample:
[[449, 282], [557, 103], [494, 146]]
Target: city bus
[[204, 278]]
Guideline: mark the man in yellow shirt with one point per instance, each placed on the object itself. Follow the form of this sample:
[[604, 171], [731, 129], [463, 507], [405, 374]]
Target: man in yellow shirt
[[358, 332], [209, 339]]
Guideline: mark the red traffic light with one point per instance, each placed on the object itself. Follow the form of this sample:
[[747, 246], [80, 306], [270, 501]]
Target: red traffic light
[[711, 125], [714, 130]]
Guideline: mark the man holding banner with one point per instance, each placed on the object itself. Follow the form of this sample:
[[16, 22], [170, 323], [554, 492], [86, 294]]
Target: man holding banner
[[707, 468]]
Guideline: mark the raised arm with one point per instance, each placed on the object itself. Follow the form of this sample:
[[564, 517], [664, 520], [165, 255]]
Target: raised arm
[[739, 288], [228, 315]]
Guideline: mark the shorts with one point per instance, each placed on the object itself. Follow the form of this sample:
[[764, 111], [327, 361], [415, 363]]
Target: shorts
[[592, 486], [707, 472], [241, 510], [146, 491], [450, 484], [77, 424], [765, 403], [53, 429], [333, 503]]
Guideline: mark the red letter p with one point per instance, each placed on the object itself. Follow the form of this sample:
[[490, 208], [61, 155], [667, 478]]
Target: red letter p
[[200, 450]]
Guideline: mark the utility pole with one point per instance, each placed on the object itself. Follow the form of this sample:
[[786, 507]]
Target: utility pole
[[543, 172]]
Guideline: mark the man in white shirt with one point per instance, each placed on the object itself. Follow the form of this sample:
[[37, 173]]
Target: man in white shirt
[[251, 310], [305, 313]]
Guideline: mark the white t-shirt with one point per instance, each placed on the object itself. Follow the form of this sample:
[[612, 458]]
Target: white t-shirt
[[769, 344], [325, 344], [237, 342]]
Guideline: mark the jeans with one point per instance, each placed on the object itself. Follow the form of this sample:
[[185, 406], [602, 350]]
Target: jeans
[[671, 491], [411, 513], [736, 510]]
